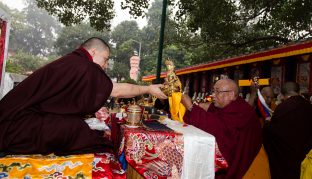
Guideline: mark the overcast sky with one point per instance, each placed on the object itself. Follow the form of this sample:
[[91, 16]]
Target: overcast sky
[[121, 15]]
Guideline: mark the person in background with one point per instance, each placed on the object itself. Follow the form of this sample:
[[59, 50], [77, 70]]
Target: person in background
[[45, 113], [288, 137], [268, 96], [234, 124]]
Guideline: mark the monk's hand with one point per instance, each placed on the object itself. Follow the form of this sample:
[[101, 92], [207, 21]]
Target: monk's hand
[[187, 102], [205, 106], [253, 88], [155, 90]]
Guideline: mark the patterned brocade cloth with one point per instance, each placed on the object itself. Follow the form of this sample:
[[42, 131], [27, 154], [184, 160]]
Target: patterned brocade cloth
[[153, 154], [96, 166], [163, 154]]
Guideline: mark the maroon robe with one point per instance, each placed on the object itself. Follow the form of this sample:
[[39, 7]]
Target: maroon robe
[[237, 131], [288, 137], [45, 113]]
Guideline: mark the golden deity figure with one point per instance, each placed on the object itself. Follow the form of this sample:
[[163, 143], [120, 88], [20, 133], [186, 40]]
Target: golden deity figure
[[173, 89], [172, 82]]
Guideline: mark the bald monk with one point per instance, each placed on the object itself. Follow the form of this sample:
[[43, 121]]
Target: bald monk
[[268, 96], [234, 124], [287, 138], [45, 113]]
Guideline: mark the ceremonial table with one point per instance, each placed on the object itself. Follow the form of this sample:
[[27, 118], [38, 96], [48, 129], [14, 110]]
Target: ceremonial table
[[183, 151]]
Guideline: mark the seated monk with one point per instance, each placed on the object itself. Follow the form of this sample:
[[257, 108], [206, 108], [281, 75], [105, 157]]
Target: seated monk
[[45, 112], [234, 124]]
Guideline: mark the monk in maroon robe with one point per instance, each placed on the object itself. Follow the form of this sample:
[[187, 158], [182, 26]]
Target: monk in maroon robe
[[287, 138], [234, 124], [45, 113]]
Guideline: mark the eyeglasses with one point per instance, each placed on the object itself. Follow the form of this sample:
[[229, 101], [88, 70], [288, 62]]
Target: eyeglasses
[[219, 91]]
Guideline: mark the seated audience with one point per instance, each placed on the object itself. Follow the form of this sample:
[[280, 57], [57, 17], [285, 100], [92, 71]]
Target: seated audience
[[288, 137], [234, 124], [45, 113]]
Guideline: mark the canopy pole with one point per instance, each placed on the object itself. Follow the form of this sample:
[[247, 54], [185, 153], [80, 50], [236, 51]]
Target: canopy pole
[[161, 40]]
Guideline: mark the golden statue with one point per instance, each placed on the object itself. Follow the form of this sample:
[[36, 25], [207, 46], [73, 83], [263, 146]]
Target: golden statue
[[173, 89], [172, 82]]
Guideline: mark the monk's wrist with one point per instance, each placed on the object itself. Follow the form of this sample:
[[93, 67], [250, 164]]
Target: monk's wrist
[[190, 108], [144, 89]]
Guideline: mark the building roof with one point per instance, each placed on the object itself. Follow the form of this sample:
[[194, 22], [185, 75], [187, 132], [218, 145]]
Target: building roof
[[299, 48]]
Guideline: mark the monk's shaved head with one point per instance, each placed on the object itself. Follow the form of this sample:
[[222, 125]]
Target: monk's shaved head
[[229, 84], [290, 89], [97, 43], [268, 95], [267, 90], [98, 50], [224, 92]]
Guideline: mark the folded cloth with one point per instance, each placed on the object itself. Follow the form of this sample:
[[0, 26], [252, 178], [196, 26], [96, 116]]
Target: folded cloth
[[96, 124], [155, 125], [103, 115]]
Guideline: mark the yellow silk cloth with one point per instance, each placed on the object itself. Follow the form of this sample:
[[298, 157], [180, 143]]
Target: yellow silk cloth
[[306, 167], [177, 109], [50, 166]]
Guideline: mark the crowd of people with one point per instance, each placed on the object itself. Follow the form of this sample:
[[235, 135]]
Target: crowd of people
[[46, 112]]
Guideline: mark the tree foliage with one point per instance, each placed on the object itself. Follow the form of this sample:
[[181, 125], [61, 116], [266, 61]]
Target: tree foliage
[[32, 30], [120, 71], [196, 31], [99, 13], [72, 36], [71, 12], [245, 25], [174, 47], [233, 27], [22, 62], [35, 30], [124, 31]]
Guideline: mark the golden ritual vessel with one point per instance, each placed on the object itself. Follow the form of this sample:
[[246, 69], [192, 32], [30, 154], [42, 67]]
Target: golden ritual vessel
[[134, 115], [172, 82]]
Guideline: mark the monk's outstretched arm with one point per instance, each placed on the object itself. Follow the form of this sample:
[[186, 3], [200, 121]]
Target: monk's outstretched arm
[[126, 90]]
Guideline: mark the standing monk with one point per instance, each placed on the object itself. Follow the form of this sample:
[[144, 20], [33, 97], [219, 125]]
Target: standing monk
[[45, 113], [287, 138], [234, 124]]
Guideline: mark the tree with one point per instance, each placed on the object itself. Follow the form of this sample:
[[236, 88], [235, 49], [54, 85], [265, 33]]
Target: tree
[[72, 36], [233, 27], [22, 62], [173, 48], [32, 30], [124, 31], [125, 36], [245, 25], [99, 13], [119, 71]]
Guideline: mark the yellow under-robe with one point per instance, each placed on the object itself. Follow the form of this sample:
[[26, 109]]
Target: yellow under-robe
[[259, 169], [306, 167], [177, 109]]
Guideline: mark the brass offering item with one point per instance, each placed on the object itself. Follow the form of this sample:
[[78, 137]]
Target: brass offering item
[[134, 115], [172, 82]]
